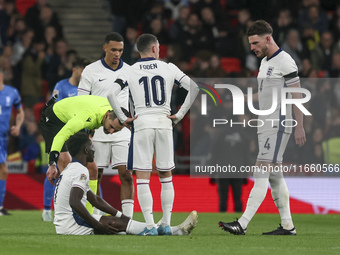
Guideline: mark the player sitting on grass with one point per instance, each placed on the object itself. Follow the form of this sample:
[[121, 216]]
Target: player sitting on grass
[[72, 190]]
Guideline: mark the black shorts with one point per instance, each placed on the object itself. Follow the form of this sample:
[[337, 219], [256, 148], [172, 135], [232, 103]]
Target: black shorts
[[50, 125]]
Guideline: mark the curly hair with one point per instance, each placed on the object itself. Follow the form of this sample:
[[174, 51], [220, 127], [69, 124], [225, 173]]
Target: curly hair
[[76, 142]]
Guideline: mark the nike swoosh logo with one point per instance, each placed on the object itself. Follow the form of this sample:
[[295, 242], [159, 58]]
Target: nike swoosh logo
[[264, 153], [102, 79]]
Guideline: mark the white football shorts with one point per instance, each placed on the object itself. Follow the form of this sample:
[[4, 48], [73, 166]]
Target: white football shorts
[[148, 142], [77, 226], [272, 147], [115, 153]]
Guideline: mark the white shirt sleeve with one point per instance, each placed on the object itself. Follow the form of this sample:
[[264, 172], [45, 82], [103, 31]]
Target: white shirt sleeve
[[182, 80], [81, 179], [85, 84], [112, 96]]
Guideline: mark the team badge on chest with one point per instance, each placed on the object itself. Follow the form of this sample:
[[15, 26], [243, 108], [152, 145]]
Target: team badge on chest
[[270, 71]]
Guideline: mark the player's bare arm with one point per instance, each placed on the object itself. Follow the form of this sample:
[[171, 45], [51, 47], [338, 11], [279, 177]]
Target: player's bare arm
[[100, 203], [299, 134], [15, 130], [52, 173], [75, 203]]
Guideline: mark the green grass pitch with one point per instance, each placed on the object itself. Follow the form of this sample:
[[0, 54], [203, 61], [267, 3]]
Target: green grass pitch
[[25, 233]]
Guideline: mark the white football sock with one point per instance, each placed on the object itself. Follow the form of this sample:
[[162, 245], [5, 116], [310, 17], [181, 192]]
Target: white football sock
[[145, 201], [135, 227], [256, 197], [280, 196], [167, 198], [127, 207]]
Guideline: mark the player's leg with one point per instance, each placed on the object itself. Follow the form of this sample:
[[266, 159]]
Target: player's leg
[[257, 194], [223, 187], [102, 160], [127, 190], [93, 172], [100, 176], [140, 159], [132, 227], [3, 179], [236, 184], [119, 158], [164, 157], [280, 194]]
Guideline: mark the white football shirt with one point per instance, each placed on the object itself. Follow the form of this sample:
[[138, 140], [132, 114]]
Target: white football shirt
[[150, 82], [97, 79], [74, 175], [276, 72]]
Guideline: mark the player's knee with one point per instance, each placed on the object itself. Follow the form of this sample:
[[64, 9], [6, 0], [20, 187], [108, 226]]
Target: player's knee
[[3, 171], [125, 175]]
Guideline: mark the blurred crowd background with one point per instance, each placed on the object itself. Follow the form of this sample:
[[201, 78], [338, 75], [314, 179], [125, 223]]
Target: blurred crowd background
[[204, 38]]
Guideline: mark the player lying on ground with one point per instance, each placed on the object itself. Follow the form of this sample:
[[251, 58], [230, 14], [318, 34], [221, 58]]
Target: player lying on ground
[[72, 191]]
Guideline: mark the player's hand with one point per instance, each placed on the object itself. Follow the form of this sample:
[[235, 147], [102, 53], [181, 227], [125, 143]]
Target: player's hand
[[300, 136], [52, 174], [128, 122], [173, 118], [15, 131], [106, 227]]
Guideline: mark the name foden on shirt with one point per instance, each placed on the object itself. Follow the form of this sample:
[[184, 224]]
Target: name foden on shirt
[[148, 67]]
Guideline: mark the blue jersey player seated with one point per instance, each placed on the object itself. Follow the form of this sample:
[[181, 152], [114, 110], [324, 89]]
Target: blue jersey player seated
[[9, 97]]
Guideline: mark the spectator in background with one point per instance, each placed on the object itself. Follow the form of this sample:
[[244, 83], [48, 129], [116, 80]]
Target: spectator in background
[[194, 38], [293, 46], [306, 68], [32, 16], [321, 56], [157, 29], [314, 16], [47, 18], [335, 70], [215, 70], [310, 37], [130, 53], [214, 5], [283, 25], [177, 28], [5, 17], [155, 12], [31, 78], [174, 7], [243, 18], [58, 58], [322, 102], [22, 45], [5, 64], [50, 38], [16, 29]]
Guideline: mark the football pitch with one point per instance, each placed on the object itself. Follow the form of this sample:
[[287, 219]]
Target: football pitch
[[25, 233]]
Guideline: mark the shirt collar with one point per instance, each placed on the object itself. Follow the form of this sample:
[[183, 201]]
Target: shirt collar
[[145, 59], [275, 54], [107, 66]]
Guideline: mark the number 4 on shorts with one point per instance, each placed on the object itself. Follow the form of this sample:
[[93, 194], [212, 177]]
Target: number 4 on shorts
[[267, 144]]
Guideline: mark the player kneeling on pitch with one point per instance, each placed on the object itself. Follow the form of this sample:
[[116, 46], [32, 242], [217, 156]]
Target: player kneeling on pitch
[[72, 191]]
